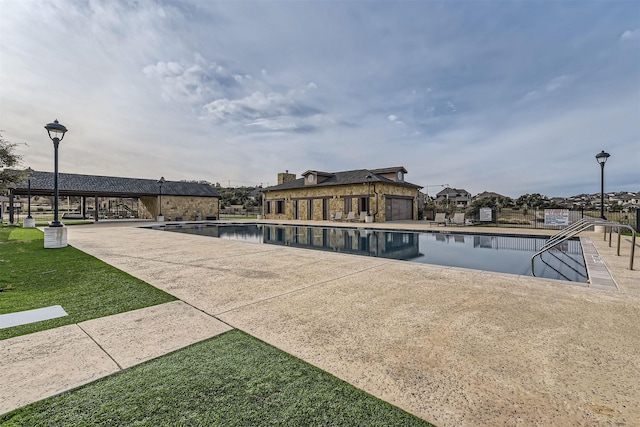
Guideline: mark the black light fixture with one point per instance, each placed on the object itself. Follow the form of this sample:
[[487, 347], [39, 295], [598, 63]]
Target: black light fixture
[[160, 182], [58, 132], [602, 157]]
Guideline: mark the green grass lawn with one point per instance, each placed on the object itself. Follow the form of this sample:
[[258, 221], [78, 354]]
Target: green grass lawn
[[86, 288], [229, 380]]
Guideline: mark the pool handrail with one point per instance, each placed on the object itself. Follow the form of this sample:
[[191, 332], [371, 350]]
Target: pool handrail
[[580, 226]]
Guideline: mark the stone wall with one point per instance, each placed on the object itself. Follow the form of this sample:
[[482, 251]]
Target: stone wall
[[335, 195], [185, 207]]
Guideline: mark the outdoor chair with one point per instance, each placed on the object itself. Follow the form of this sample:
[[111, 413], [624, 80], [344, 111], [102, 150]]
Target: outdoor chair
[[440, 219], [351, 216], [458, 218], [363, 216], [338, 216]]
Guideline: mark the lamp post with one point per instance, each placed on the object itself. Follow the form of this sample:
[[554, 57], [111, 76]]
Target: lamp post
[[55, 236], [29, 222], [369, 177], [12, 213], [602, 157], [29, 171], [58, 131], [160, 182]]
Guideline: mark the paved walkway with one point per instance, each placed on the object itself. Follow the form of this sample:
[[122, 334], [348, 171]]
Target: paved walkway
[[455, 347]]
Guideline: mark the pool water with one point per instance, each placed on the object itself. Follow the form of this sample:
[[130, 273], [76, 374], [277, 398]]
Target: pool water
[[498, 253]]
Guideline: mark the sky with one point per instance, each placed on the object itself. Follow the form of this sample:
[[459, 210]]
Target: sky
[[514, 97]]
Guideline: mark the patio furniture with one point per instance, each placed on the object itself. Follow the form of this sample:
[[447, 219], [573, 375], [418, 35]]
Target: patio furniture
[[458, 219], [338, 216], [440, 219], [351, 216]]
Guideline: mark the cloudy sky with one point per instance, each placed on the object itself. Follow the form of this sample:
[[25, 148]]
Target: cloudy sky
[[508, 96]]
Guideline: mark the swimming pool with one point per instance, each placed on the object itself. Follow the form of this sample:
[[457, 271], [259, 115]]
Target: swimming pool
[[490, 252]]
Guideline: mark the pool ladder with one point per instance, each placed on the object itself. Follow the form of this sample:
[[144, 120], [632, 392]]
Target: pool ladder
[[578, 227]]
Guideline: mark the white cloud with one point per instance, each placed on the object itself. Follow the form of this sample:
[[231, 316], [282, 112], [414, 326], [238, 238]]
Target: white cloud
[[557, 83], [630, 35], [553, 85], [192, 83]]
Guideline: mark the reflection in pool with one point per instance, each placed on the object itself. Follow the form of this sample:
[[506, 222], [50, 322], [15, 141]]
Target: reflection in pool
[[498, 253]]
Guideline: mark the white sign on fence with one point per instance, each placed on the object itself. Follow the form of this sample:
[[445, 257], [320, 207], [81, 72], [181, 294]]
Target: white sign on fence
[[485, 214], [556, 217]]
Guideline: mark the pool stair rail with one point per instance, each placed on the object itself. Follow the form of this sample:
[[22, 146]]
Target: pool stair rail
[[580, 226]]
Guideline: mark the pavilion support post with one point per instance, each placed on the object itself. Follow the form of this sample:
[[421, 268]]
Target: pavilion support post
[[95, 208]]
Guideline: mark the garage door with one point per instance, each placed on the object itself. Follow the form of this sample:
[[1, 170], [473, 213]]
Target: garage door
[[398, 209]]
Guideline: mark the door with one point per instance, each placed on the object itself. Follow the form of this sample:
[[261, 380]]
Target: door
[[397, 209]]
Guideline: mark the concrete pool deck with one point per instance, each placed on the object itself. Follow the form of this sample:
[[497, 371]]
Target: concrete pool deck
[[453, 346]]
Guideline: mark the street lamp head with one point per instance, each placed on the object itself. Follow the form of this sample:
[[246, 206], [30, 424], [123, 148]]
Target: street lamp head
[[161, 181], [57, 129], [602, 157]]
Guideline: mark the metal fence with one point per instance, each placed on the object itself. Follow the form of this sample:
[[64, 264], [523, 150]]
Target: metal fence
[[535, 218]]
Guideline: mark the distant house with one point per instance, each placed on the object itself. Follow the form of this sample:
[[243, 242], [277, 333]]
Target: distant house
[[319, 196], [454, 197]]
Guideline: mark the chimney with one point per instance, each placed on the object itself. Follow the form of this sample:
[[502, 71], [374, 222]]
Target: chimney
[[286, 177]]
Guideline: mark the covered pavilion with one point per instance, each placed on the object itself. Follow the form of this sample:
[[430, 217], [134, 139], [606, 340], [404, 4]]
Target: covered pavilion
[[180, 200]]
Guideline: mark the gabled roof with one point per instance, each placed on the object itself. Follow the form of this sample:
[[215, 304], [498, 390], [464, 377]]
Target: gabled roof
[[455, 191], [390, 170], [319, 173], [357, 176], [110, 186]]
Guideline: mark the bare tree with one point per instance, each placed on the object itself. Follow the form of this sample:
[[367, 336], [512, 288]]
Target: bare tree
[[8, 161]]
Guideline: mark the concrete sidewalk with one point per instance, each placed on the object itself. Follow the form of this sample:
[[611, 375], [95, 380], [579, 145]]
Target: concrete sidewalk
[[453, 346], [46, 363]]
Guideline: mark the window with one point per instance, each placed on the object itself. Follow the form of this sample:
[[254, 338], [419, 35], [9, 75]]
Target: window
[[280, 206], [364, 204], [348, 207], [268, 207]]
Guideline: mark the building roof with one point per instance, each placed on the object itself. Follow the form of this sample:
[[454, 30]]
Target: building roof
[[453, 191], [358, 176], [110, 186]]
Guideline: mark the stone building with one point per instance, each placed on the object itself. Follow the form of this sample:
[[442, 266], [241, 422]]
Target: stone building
[[106, 197], [319, 196]]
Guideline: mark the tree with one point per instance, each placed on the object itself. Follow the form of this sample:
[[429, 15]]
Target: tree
[[494, 202], [9, 160], [535, 200]]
